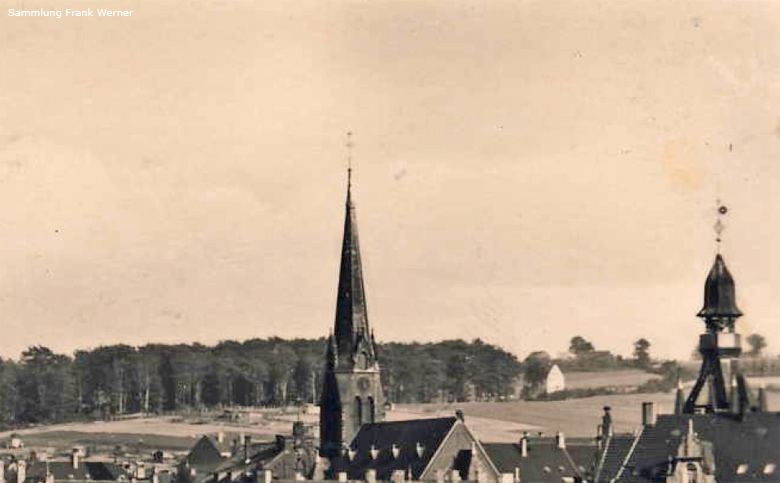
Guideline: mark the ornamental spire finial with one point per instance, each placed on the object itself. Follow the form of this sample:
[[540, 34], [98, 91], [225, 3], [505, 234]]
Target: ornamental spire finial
[[719, 225], [349, 145]]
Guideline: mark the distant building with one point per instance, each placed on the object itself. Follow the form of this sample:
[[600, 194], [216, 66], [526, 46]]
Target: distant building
[[721, 432], [212, 460], [555, 380]]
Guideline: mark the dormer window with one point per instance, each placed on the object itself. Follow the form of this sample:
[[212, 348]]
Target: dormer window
[[742, 469], [769, 468], [396, 451], [547, 469], [374, 452], [420, 450]]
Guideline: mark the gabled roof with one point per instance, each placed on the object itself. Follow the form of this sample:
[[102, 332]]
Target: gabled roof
[[545, 462], [405, 435], [206, 454], [744, 449], [616, 449]]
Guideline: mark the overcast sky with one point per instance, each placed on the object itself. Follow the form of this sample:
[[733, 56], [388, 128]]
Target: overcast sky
[[525, 171]]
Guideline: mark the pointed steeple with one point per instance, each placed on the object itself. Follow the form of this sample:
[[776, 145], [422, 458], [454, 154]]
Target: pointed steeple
[[351, 326], [720, 299]]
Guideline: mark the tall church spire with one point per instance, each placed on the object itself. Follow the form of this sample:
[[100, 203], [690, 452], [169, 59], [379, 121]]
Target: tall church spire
[[351, 325], [352, 393]]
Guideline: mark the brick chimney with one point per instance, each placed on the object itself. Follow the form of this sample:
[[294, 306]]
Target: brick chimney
[[648, 414]]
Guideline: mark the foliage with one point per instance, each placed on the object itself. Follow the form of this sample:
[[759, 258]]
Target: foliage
[[114, 380], [757, 344], [579, 346], [642, 352]]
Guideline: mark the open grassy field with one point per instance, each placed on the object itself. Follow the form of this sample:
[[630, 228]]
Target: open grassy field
[[581, 380], [576, 417]]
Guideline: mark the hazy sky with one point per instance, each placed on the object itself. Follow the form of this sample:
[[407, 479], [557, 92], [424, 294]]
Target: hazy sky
[[525, 171]]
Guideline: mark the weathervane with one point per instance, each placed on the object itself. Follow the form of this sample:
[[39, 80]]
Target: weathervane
[[719, 226]]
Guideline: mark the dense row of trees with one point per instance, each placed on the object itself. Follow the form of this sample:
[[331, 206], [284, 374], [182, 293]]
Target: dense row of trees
[[43, 386]]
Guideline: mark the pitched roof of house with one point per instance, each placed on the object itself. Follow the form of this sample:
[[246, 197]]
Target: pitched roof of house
[[64, 470], [616, 449], [744, 449], [545, 462], [381, 438]]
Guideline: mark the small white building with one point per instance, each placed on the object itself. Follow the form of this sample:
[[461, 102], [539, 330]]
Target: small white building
[[555, 381]]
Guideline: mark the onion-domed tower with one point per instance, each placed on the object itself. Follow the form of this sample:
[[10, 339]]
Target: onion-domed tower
[[720, 346]]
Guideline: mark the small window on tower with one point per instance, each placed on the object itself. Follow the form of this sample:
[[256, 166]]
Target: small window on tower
[[769, 468], [742, 469]]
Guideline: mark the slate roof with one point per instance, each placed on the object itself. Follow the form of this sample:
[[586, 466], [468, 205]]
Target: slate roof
[[545, 461], [746, 444], [616, 449], [382, 436], [64, 470]]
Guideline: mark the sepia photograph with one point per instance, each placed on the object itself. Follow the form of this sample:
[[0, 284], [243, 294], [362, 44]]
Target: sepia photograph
[[390, 241]]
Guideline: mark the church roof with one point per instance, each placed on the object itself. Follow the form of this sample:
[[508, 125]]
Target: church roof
[[405, 437], [744, 449], [719, 294]]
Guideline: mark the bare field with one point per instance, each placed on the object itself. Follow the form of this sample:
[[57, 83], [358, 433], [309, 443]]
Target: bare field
[[580, 380], [490, 421], [576, 417]]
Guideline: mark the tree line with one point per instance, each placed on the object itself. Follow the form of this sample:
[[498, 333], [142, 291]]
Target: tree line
[[43, 386]]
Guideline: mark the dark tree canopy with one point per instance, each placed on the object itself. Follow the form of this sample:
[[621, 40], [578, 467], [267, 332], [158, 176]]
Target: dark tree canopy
[[757, 344], [579, 346], [111, 380], [642, 352]]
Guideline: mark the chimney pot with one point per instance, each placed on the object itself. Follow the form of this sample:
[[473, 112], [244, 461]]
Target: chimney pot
[[524, 446], [560, 440]]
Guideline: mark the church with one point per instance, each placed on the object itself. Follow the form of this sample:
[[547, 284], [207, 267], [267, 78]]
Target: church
[[355, 439]]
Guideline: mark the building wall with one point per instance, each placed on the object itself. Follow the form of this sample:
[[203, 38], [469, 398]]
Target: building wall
[[456, 450]]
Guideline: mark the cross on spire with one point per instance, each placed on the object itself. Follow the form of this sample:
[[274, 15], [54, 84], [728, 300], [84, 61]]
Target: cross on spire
[[349, 145]]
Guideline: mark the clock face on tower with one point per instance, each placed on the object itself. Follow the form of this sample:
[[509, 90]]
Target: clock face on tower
[[363, 384]]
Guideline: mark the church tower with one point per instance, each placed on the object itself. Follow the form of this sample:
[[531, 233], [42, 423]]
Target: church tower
[[720, 346], [351, 392]]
